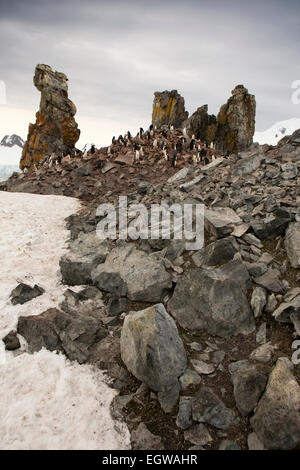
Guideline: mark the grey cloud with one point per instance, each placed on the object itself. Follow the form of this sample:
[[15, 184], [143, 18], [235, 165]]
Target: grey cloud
[[116, 54]]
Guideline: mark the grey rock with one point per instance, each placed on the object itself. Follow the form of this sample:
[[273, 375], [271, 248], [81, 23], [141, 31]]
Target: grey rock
[[59, 331], [133, 273], [252, 240], [256, 269], [216, 253], [292, 244], [258, 301], [153, 351], [209, 408], [11, 341], [116, 306], [189, 378], [289, 171], [249, 385], [261, 334], [214, 300], [263, 353], [272, 225], [24, 293], [143, 439], [198, 435], [254, 443], [184, 417], [271, 303], [229, 445], [220, 222], [247, 165], [202, 367], [277, 418], [84, 170], [85, 253], [270, 281]]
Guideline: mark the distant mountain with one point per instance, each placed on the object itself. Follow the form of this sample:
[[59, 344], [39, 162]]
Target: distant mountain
[[275, 133], [10, 154], [11, 140]]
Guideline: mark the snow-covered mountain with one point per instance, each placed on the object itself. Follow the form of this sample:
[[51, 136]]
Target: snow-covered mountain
[[279, 130], [11, 140], [10, 154]]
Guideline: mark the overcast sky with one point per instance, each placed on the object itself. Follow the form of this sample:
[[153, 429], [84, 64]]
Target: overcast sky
[[117, 53]]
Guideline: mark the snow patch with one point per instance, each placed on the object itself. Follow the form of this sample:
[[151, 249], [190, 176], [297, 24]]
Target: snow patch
[[47, 402], [275, 133]]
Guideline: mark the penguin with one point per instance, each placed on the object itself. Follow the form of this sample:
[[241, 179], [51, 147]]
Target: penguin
[[113, 140], [212, 145], [192, 144], [195, 159], [179, 147], [206, 161], [166, 157], [184, 133], [137, 155], [93, 149], [174, 160], [151, 130], [141, 150], [198, 157], [155, 143], [203, 152], [213, 158], [141, 132], [109, 150]]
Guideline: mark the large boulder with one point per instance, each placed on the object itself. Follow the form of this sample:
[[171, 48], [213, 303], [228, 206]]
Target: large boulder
[[84, 255], [133, 273], [168, 109], [153, 352], [292, 244], [277, 418], [214, 300], [55, 129]]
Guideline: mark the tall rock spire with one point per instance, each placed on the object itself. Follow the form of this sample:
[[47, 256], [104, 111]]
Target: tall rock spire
[[168, 109], [55, 129]]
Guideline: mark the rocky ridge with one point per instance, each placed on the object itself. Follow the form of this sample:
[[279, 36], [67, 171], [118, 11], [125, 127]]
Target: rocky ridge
[[225, 317]]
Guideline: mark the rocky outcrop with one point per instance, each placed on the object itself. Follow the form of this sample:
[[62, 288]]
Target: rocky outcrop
[[55, 129], [168, 109], [233, 129], [203, 125], [153, 352], [236, 121]]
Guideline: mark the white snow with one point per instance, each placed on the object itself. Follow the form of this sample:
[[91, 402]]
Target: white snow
[[47, 402], [275, 133]]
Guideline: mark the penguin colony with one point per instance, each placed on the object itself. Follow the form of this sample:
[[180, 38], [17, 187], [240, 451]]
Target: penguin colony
[[173, 146]]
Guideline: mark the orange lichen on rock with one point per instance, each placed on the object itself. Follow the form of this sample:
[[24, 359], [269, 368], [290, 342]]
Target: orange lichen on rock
[[55, 129], [168, 109]]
